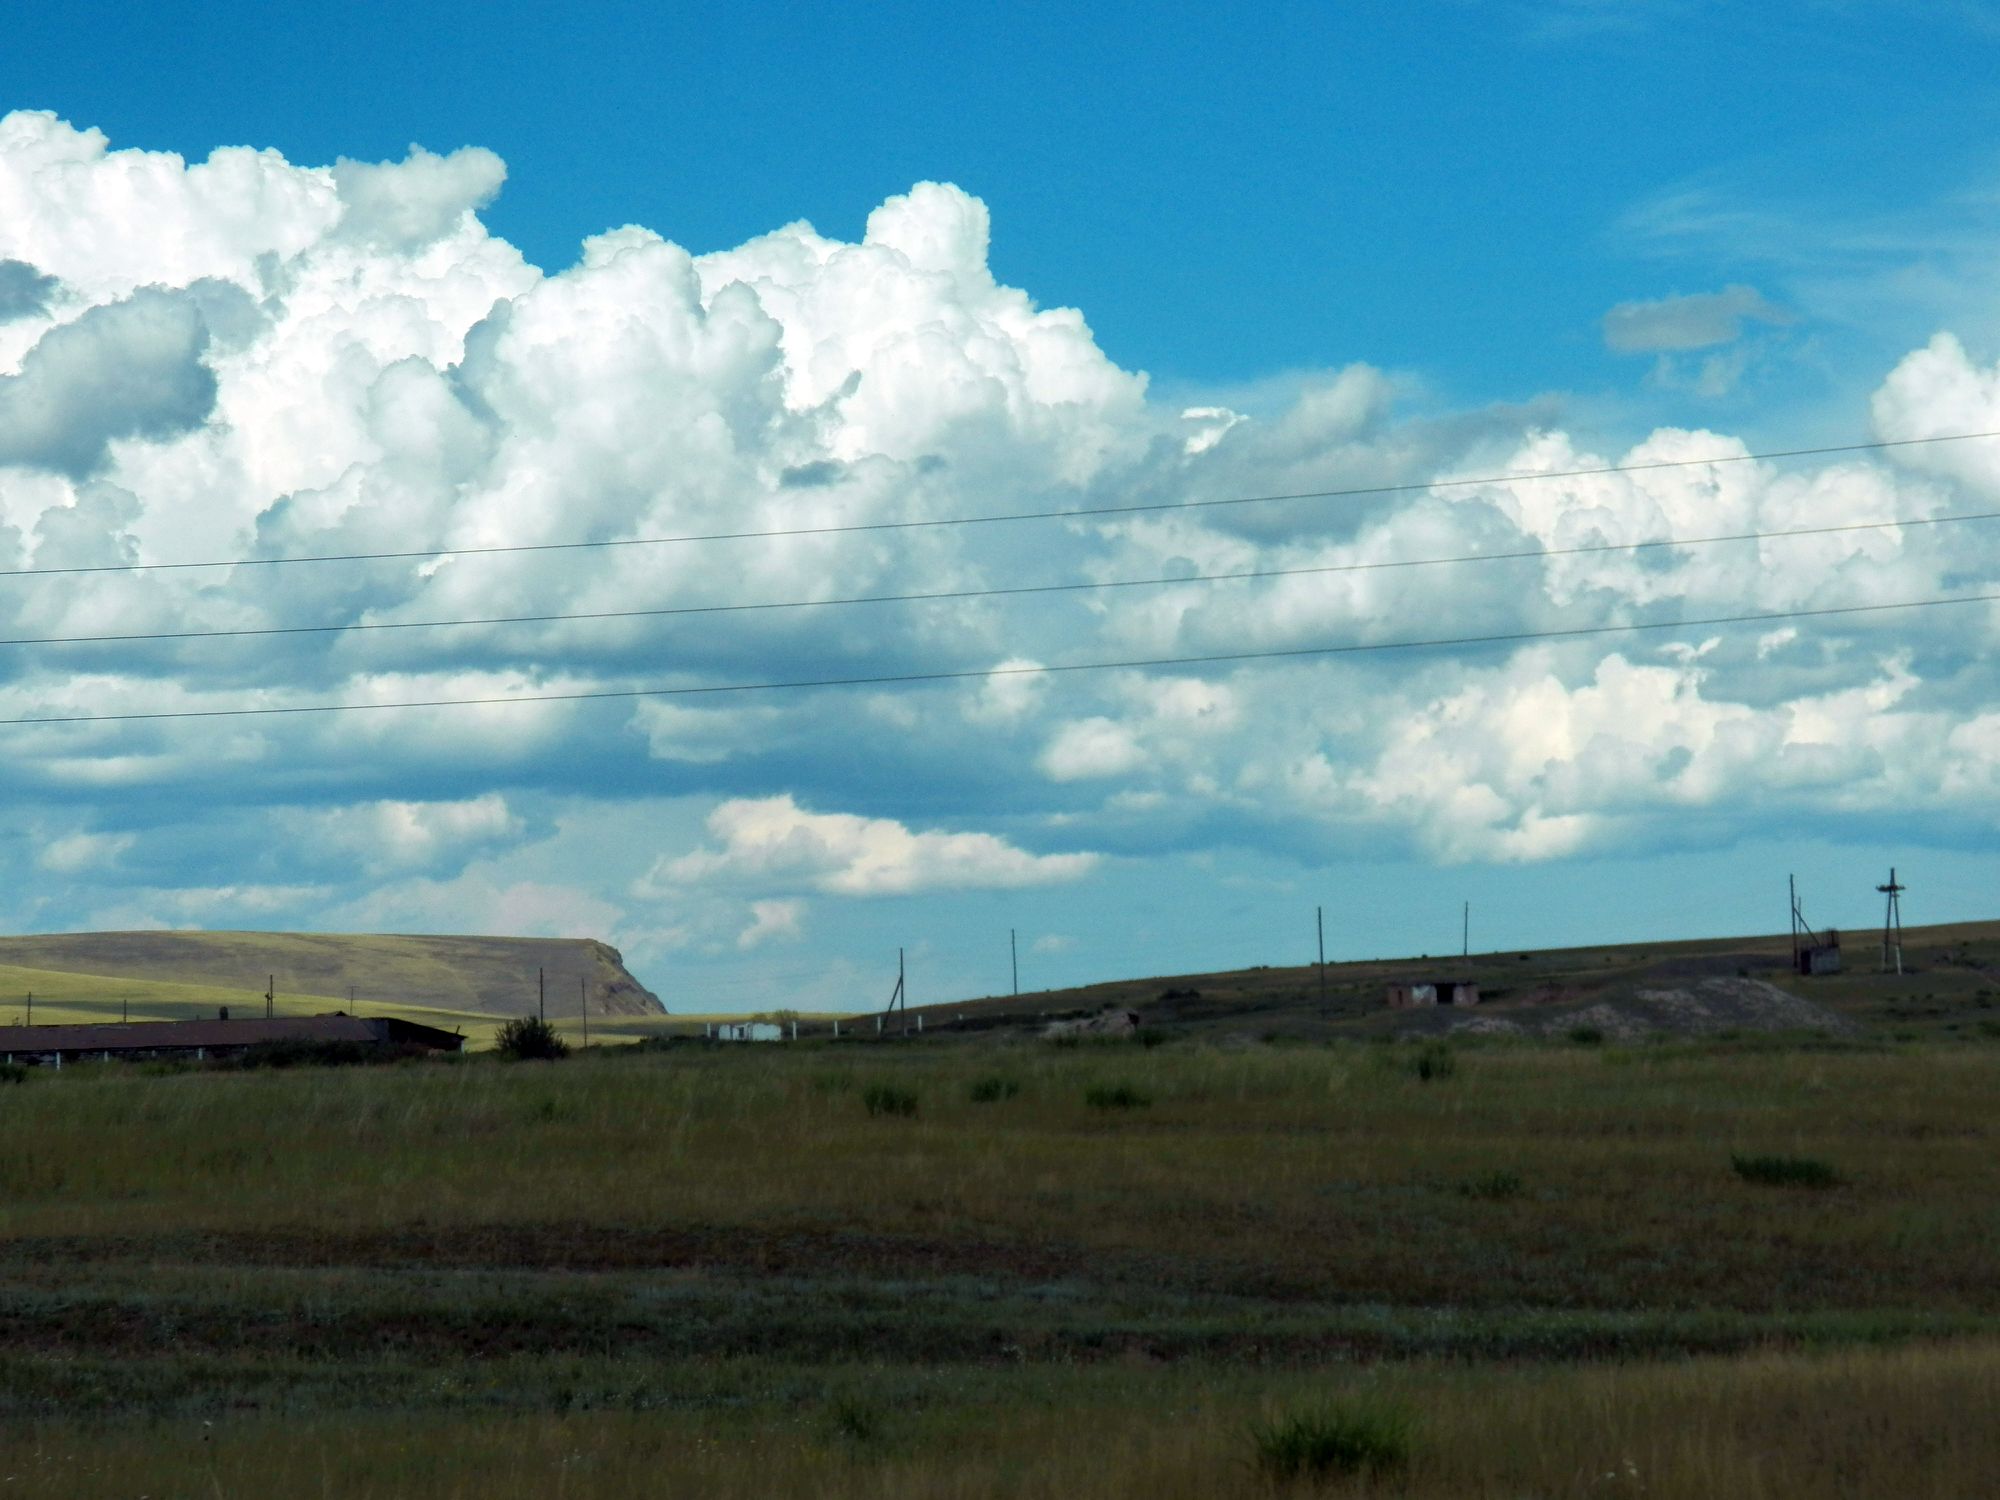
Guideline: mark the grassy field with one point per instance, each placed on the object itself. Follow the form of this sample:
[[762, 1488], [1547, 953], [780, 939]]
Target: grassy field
[[1010, 1270]]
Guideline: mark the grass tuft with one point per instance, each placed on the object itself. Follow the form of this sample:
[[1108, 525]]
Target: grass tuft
[[1333, 1441], [1115, 1096], [1495, 1186], [993, 1090], [887, 1099], [1785, 1171], [1587, 1036], [1434, 1061]]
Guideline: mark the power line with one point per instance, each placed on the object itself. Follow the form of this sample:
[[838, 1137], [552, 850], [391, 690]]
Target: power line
[[944, 595], [1079, 513], [905, 679]]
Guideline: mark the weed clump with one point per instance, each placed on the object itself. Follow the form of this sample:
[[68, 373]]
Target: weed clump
[[993, 1090], [1115, 1096], [530, 1039], [1495, 1186], [1333, 1441], [13, 1072], [1434, 1060], [1587, 1036], [1785, 1171], [887, 1099]]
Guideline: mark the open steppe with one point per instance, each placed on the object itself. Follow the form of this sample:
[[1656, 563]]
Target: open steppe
[[1000, 1267]]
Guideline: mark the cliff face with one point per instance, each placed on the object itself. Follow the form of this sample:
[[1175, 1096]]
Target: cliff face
[[500, 976]]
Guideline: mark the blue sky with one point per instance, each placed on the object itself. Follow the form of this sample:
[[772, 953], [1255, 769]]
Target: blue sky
[[1312, 247]]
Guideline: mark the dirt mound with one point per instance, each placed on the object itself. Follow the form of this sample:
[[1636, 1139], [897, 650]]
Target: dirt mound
[[1697, 1007]]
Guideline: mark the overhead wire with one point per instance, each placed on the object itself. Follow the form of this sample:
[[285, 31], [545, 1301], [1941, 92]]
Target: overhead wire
[[1061, 514], [904, 679], [998, 592]]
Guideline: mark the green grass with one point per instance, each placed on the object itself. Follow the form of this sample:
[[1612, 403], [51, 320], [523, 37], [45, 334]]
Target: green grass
[[1116, 1096], [710, 1270], [1333, 1441], [1785, 1171]]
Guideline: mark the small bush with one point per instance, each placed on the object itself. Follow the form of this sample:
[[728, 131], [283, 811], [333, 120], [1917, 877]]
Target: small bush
[[13, 1072], [1785, 1171], [993, 1090], [1587, 1036], [1115, 1096], [529, 1039], [1494, 1186], [1333, 1441], [887, 1099], [857, 1422], [1434, 1060]]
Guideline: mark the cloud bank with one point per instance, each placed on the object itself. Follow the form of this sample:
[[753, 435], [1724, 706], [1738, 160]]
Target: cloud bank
[[247, 357]]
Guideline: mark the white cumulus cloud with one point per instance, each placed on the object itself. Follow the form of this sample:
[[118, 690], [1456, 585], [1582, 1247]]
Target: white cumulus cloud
[[774, 839]]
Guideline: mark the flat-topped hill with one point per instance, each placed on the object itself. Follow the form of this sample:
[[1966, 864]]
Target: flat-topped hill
[[487, 975]]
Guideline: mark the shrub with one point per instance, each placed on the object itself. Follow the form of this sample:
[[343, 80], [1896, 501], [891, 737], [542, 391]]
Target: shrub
[[529, 1039], [993, 1090], [1332, 1441], [887, 1099], [1495, 1186], [1587, 1036], [13, 1072], [1785, 1171], [1115, 1096], [1434, 1060]]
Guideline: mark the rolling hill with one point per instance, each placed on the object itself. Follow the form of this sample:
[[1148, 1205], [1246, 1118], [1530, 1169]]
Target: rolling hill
[[489, 976]]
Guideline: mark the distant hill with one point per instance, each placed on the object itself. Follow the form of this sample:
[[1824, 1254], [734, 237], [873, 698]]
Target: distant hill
[[488, 975], [1950, 986]]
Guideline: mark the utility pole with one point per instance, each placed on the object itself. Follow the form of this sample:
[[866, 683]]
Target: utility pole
[[1014, 958], [31, 1007], [1465, 934], [1892, 921], [271, 997], [1319, 926], [583, 999], [542, 995], [896, 996], [1792, 885]]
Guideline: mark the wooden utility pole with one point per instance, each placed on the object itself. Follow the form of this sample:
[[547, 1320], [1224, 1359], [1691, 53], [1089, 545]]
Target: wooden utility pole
[[1892, 921], [1014, 959], [583, 999], [1319, 926], [1792, 889], [271, 997], [897, 996], [1465, 934], [542, 995]]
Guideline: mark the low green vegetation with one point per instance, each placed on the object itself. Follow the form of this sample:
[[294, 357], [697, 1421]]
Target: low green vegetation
[[1785, 1171], [1115, 1096], [887, 1099], [529, 1039], [762, 1271], [1332, 1441]]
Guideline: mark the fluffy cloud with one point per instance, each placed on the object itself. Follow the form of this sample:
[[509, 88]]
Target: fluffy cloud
[[24, 291], [248, 357], [132, 368], [774, 840]]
